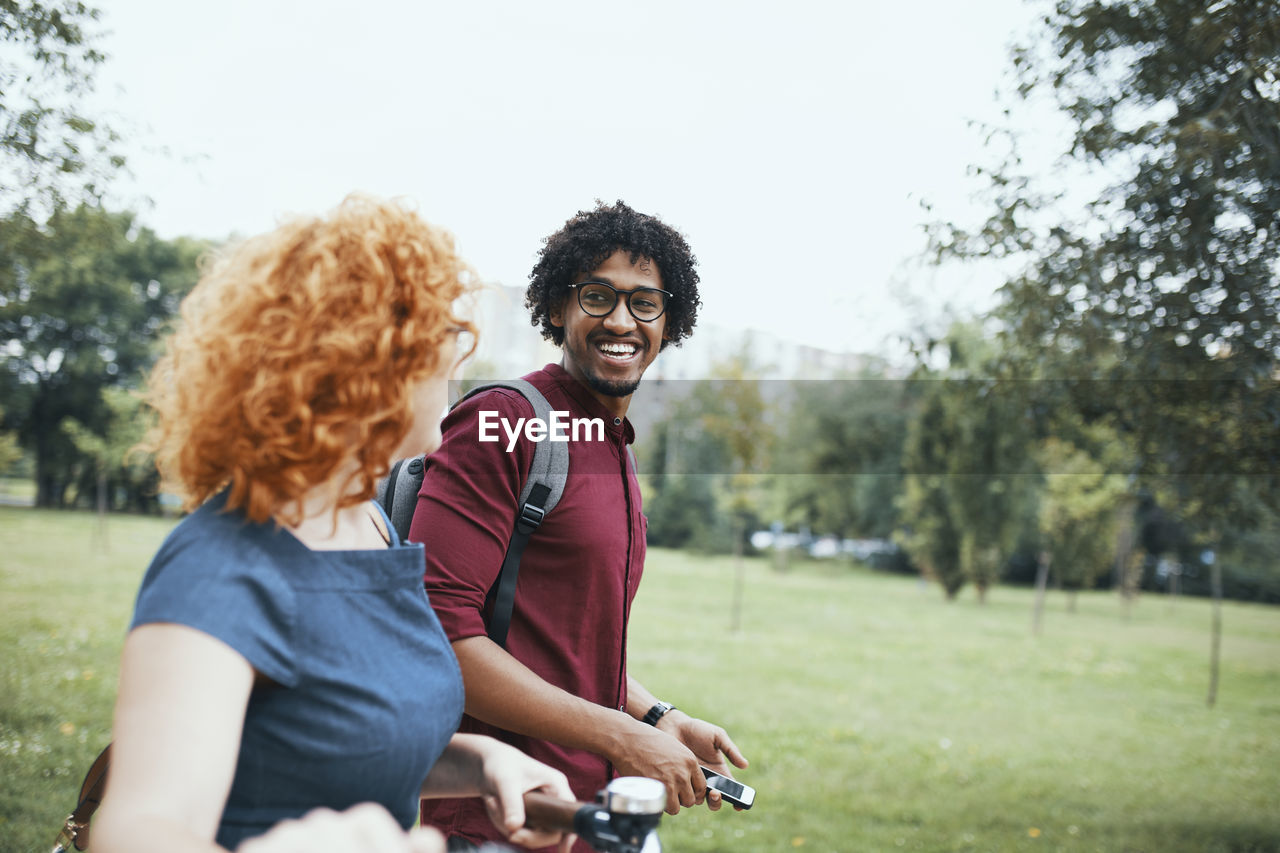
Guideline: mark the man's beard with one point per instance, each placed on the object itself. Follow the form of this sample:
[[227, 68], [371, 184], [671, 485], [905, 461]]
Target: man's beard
[[612, 388]]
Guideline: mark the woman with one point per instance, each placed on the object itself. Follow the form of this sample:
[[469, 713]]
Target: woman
[[283, 655]]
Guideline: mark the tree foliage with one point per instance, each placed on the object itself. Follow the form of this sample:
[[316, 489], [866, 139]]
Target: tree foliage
[[52, 150], [127, 477], [1175, 104], [83, 300], [10, 452], [930, 532], [971, 477], [1167, 284], [1078, 513], [711, 444], [841, 460]]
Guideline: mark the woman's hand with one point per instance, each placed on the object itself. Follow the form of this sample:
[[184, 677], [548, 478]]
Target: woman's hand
[[507, 774], [475, 765], [366, 828]]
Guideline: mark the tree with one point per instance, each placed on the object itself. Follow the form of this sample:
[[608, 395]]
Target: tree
[[733, 408], [1174, 107], [681, 504], [843, 455], [1178, 102], [970, 477], [83, 300], [1077, 514], [930, 532], [1173, 270], [9, 450], [51, 149], [120, 473]]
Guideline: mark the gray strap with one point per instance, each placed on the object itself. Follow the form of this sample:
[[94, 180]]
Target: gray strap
[[550, 464], [398, 493], [542, 490]]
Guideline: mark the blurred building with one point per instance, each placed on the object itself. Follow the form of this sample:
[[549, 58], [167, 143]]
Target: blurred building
[[510, 346], [769, 356]]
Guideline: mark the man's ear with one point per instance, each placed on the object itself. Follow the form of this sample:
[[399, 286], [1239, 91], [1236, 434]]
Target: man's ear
[[556, 313]]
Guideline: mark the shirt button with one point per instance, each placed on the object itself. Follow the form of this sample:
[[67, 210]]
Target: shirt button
[[617, 421]]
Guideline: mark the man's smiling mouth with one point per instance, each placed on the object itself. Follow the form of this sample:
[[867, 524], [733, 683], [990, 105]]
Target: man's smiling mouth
[[620, 351]]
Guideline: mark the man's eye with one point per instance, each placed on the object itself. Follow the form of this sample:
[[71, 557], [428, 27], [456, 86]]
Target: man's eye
[[595, 297], [644, 304]]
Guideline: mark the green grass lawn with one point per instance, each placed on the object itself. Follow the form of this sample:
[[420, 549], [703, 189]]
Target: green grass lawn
[[876, 715]]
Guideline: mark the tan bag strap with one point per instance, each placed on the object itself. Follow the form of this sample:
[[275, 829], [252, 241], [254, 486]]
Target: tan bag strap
[[75, 832]]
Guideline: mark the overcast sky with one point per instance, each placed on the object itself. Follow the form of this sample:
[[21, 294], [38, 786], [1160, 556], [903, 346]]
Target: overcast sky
[[791, 142]]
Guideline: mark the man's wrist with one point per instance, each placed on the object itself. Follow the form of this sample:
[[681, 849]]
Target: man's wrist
[[657, 712]]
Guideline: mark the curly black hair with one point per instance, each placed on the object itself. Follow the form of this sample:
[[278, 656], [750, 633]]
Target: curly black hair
[[588, 239]]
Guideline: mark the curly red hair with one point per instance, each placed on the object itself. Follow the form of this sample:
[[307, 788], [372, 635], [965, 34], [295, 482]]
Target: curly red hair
[[297, 353]]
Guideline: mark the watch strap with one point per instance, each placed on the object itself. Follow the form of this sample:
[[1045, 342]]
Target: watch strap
[[656, 712]]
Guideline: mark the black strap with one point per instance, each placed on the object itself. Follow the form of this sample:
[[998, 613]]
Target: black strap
[[392, 476], [502, 596]]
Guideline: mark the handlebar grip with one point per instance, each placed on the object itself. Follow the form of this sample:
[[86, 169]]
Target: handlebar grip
[[543, 811]]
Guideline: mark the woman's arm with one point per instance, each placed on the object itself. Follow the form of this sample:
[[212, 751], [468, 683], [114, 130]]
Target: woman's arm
[[474, 765], [179, 715], [179, 718]]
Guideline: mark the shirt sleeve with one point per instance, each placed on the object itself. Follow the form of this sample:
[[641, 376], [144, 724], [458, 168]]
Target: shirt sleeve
[[213, 578], [467, 507]]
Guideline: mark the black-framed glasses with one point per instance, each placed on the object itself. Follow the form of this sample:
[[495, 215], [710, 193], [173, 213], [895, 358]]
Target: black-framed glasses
[[598, 299]]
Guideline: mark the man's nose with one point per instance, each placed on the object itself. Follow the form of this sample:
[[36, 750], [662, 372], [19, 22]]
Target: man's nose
[[619, 319]]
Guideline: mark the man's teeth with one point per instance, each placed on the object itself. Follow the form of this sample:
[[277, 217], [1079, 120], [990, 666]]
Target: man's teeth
[[617, 349]]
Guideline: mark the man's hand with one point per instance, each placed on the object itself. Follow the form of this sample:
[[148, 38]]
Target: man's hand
[[710, 744], [647, 751]]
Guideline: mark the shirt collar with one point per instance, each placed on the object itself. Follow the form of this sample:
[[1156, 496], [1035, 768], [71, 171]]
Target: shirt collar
[[590, 404]]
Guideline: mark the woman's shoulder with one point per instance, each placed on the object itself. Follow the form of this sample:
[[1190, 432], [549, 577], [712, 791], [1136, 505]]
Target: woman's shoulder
[[223, 540], [223, 575]]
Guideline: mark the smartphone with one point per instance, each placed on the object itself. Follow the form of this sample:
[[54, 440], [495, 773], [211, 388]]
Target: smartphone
[[734, 792]]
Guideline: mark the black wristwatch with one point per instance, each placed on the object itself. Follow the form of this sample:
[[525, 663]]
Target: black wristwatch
[[655, 713]]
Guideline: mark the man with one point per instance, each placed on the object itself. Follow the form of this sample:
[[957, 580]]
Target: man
[[611, 288]]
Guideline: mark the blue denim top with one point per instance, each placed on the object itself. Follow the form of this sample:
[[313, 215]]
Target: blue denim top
[[367, 691]]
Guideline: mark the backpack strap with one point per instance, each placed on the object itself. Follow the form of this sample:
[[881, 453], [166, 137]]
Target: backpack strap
[[398, 492], [542, 490], [543, 485]]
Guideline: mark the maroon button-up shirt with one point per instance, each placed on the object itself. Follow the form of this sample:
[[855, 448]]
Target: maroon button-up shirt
[[578, 575]]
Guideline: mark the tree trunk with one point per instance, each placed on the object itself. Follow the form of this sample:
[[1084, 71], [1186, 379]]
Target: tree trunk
[[739, 579], [1042, 578], [1124, 552], [44, 489], [1132, 583], [1215, 634], [102, 510]]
